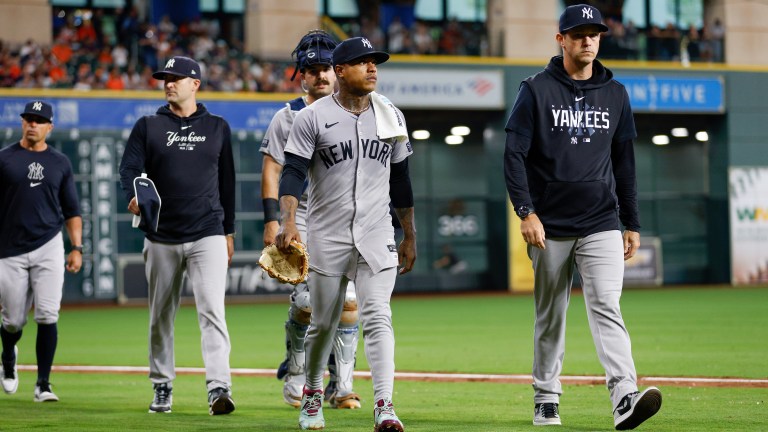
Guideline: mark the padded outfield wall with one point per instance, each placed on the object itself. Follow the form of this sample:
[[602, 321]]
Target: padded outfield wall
[[460, 195]]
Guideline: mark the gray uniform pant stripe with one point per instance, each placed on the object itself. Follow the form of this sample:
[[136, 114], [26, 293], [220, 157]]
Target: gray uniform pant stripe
[[373, 295], [205, 264], [34, 277], [599, 259]]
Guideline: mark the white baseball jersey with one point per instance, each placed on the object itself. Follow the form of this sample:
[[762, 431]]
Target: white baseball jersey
[[276, 136], [274, 143], [348, 204]]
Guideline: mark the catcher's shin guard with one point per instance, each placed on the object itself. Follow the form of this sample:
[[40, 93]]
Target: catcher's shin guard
[[295, 331], [341, 363]]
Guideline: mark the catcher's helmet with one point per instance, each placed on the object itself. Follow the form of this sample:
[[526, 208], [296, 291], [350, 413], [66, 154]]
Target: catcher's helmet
[[316, 47]]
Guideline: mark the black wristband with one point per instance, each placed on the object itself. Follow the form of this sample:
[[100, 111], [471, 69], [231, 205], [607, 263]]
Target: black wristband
[[77, 248], [271, 210]]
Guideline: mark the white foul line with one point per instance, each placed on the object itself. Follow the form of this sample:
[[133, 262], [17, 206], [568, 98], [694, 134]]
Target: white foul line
[[433, 376]]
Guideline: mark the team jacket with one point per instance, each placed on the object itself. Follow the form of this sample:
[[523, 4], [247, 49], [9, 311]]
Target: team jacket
[[569, 152], [190, 161], [37, 194]]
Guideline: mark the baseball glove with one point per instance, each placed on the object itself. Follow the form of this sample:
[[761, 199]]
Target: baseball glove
[[289, 268]]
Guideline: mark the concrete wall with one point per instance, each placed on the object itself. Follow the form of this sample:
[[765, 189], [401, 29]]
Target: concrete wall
[[274, 27], [746, 29], [523, 29], [21, 20]]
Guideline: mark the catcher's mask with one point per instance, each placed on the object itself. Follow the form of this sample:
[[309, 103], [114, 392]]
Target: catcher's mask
[[316, 47]]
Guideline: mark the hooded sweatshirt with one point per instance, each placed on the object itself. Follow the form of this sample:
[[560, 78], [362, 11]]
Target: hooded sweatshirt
[[569, 153], [190, 161]]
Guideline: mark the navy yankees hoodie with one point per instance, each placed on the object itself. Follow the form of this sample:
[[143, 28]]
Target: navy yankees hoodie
[[190, 161], [569, 153]]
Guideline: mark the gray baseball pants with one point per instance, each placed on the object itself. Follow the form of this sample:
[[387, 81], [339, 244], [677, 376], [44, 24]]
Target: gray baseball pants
[[205, 263], [373, 294], [34, 277], [600, 260]]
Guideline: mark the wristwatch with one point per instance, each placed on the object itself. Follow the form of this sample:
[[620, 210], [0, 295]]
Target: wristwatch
[[78, 248], [523, 211]]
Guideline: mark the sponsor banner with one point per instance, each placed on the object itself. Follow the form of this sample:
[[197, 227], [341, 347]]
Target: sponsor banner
[[651, 93], [645, 268], [122, 113], [749, 225], [245, 280], [442, 89]]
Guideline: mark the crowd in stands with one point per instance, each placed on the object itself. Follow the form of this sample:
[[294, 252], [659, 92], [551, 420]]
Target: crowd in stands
[[120, 51], [422, 38], [625, 41]]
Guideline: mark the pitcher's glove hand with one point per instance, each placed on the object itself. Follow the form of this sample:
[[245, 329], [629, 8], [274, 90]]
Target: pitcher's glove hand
[[289, 268]]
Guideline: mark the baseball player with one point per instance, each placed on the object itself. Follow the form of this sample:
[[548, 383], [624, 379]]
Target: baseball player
[[313, 61], [570, 172], [187, 152], [37, 198], [354, 145]]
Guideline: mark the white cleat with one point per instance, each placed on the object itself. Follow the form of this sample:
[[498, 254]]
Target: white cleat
[[43, 393], [10, 379], [292, 390], [311, 417], [546, 414], [384, 417]]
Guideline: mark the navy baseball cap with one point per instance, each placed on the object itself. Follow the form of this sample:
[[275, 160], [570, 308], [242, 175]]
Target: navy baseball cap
[[179, 66], [149, 203], [355, 48], [38, 109], [580, 15]]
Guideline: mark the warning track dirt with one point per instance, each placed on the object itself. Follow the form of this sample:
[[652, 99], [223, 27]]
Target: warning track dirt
[[441, 377]]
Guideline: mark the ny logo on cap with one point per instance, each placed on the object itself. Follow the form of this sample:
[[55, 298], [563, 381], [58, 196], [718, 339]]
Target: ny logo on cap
[[37, 106], [169, 65], [367, 43], [586, 12]]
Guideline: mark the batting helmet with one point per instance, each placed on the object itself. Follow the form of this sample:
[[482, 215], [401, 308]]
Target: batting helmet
[[316, 47]]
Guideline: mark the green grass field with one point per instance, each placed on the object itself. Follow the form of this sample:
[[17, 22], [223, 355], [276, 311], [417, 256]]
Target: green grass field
[[675, 332]]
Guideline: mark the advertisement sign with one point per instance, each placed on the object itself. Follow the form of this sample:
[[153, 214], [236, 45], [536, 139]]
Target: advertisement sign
[[674, 94], [245, 280], [749, 225], [443, 89], [105, 113], [645, 268]]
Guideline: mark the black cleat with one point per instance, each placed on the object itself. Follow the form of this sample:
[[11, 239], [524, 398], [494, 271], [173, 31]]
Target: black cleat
[[220, 401], [163, 399], [636, 408]]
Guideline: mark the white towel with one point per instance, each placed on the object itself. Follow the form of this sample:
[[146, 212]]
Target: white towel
[[389, 121]]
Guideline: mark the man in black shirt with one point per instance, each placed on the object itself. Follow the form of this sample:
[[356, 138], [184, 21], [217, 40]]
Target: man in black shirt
[[187, 153], [37, 198]]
